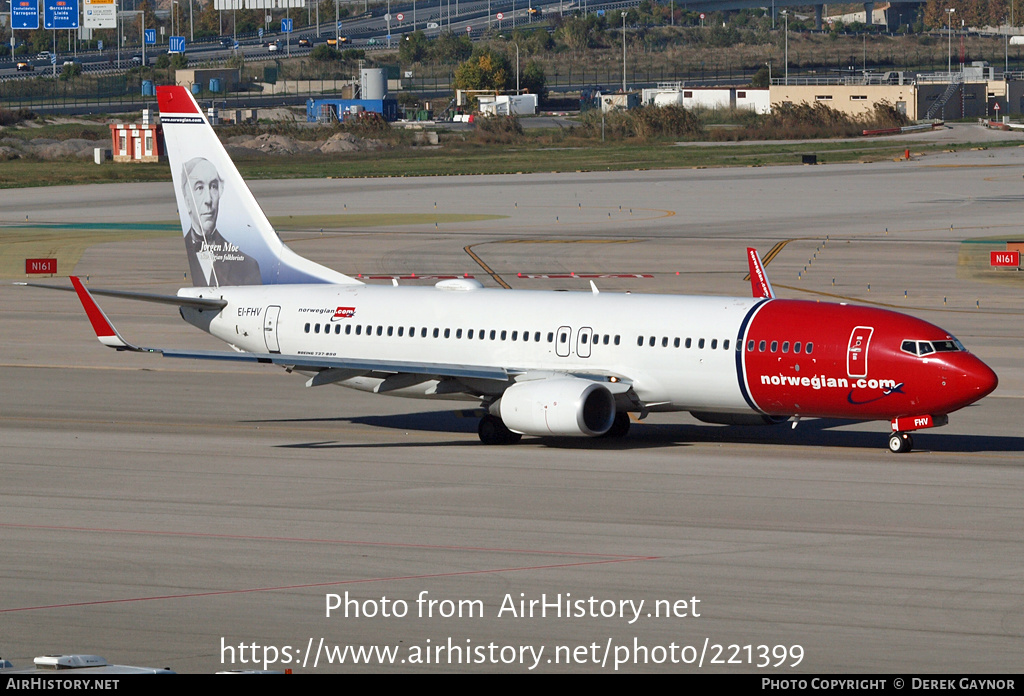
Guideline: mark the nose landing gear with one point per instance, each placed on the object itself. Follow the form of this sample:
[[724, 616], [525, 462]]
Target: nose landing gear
[[900, 443]]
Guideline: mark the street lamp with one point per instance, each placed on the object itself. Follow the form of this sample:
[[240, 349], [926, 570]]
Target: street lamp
[[785, 16], [623, 52], [949, 41], [516, 44], [191, 29]]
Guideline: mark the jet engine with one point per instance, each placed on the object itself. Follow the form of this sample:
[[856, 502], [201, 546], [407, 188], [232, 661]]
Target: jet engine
[[565, 406]]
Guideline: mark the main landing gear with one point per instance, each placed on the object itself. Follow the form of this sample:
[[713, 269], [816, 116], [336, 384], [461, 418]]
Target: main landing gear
[[493, 431], [900, 443]]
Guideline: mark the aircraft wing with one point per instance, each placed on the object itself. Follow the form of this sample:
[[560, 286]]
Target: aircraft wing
[[109, 336], [176, 300], [330, 369], [355, 367]]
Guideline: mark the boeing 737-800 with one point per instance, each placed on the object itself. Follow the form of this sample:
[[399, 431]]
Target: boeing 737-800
[[539, 363]]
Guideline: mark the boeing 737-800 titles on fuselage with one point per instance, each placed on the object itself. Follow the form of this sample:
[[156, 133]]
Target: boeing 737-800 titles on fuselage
[[540, 363]]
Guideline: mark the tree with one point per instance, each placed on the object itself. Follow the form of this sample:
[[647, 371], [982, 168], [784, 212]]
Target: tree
[[761, 78], [413, 48], [486, 69], [449, 48], [533, 80], [324, 54]]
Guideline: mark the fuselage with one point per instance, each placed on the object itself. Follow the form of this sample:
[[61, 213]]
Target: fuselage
[[704, 354]]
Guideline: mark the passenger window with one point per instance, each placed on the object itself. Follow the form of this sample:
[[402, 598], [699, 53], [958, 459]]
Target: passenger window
[[470, 334], [307, 327], [380, 330], [458, 333], [348, 330], [725, 344], [714, 343], [515, 336], [401, 331], [689, 342], [809, 348], [796, 347], [503, 334], [606, 339], [337, 328], [750, 346], [652, 341], [664, 341], [775, 346], [493, 334], [551, 336], [447, 333], [536, 336], [785, 346], [639, 340], [616, 339], [391, 331], [423, 332], [760, 347], [437, 332], [526, 335], [700, 344], [675, 343], [359, 329]]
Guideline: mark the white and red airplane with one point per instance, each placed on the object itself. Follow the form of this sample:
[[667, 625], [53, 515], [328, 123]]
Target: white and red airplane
[[540, 363]]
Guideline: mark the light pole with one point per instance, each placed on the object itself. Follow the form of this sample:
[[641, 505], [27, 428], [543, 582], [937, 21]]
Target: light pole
[[191, 29], [174, 14], [623, 52], [516, 44], [785, 16], [949, 41]]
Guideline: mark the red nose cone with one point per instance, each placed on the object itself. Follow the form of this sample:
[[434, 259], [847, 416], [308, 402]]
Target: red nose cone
[[981, 379], [970, 380]]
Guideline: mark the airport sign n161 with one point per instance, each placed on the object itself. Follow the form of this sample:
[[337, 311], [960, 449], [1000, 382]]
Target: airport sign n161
[[1004, 258]]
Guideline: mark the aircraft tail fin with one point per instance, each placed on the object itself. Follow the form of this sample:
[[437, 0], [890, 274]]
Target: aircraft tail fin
[[228, 238], [759, 283]]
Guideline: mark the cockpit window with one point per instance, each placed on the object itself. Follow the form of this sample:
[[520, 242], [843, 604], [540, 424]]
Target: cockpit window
[[909, 347], [924, 348], [947, 346]]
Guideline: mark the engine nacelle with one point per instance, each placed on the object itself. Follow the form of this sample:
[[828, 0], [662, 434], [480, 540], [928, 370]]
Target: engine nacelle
[[565, 406], [737, 418]]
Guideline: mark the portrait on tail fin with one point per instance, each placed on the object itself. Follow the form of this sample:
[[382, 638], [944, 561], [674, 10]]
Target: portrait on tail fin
[[213, 261]]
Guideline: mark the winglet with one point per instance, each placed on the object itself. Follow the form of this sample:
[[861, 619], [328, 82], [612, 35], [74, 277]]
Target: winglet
[[105, 331], [759, 283]]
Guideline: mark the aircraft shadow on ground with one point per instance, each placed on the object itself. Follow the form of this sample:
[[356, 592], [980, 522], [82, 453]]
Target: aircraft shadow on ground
[[821, 432]]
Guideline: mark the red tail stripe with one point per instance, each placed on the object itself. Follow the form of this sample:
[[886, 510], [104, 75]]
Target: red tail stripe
[[173, 99]]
